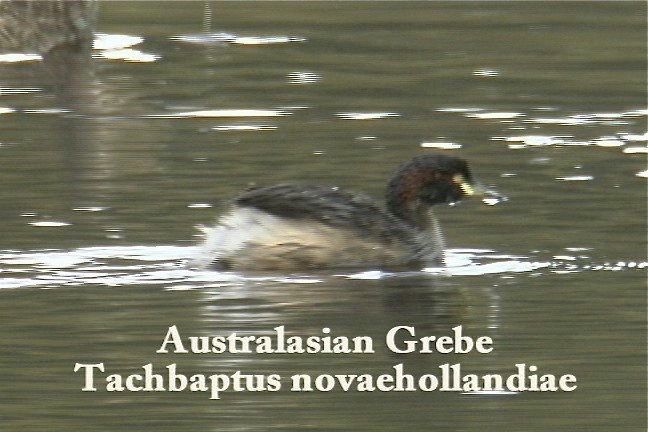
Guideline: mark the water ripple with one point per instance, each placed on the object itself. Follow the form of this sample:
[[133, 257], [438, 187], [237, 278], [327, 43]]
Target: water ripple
[[223, 113], [118, 47], [233, 39], [18, 57], [366, 115], [165, 266], [105, 41]]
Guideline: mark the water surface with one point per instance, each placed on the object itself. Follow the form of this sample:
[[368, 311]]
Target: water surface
[[106, 171]]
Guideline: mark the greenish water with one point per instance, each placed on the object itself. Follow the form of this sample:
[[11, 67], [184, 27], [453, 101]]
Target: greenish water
[[109, 162]]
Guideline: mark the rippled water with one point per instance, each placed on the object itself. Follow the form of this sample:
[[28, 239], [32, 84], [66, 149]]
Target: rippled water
[[111, 157]]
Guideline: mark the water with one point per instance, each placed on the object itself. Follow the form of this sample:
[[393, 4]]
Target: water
[[108, 163]]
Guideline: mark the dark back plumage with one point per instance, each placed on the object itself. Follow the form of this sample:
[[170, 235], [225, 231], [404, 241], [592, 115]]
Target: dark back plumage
[[326, 205]]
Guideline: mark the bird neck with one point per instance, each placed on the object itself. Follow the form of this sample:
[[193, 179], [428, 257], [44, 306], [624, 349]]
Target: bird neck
[[410, 211], [403, 202], [424, 221]]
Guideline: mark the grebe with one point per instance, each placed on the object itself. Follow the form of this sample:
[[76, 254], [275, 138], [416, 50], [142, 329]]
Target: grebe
[[293, 227]]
